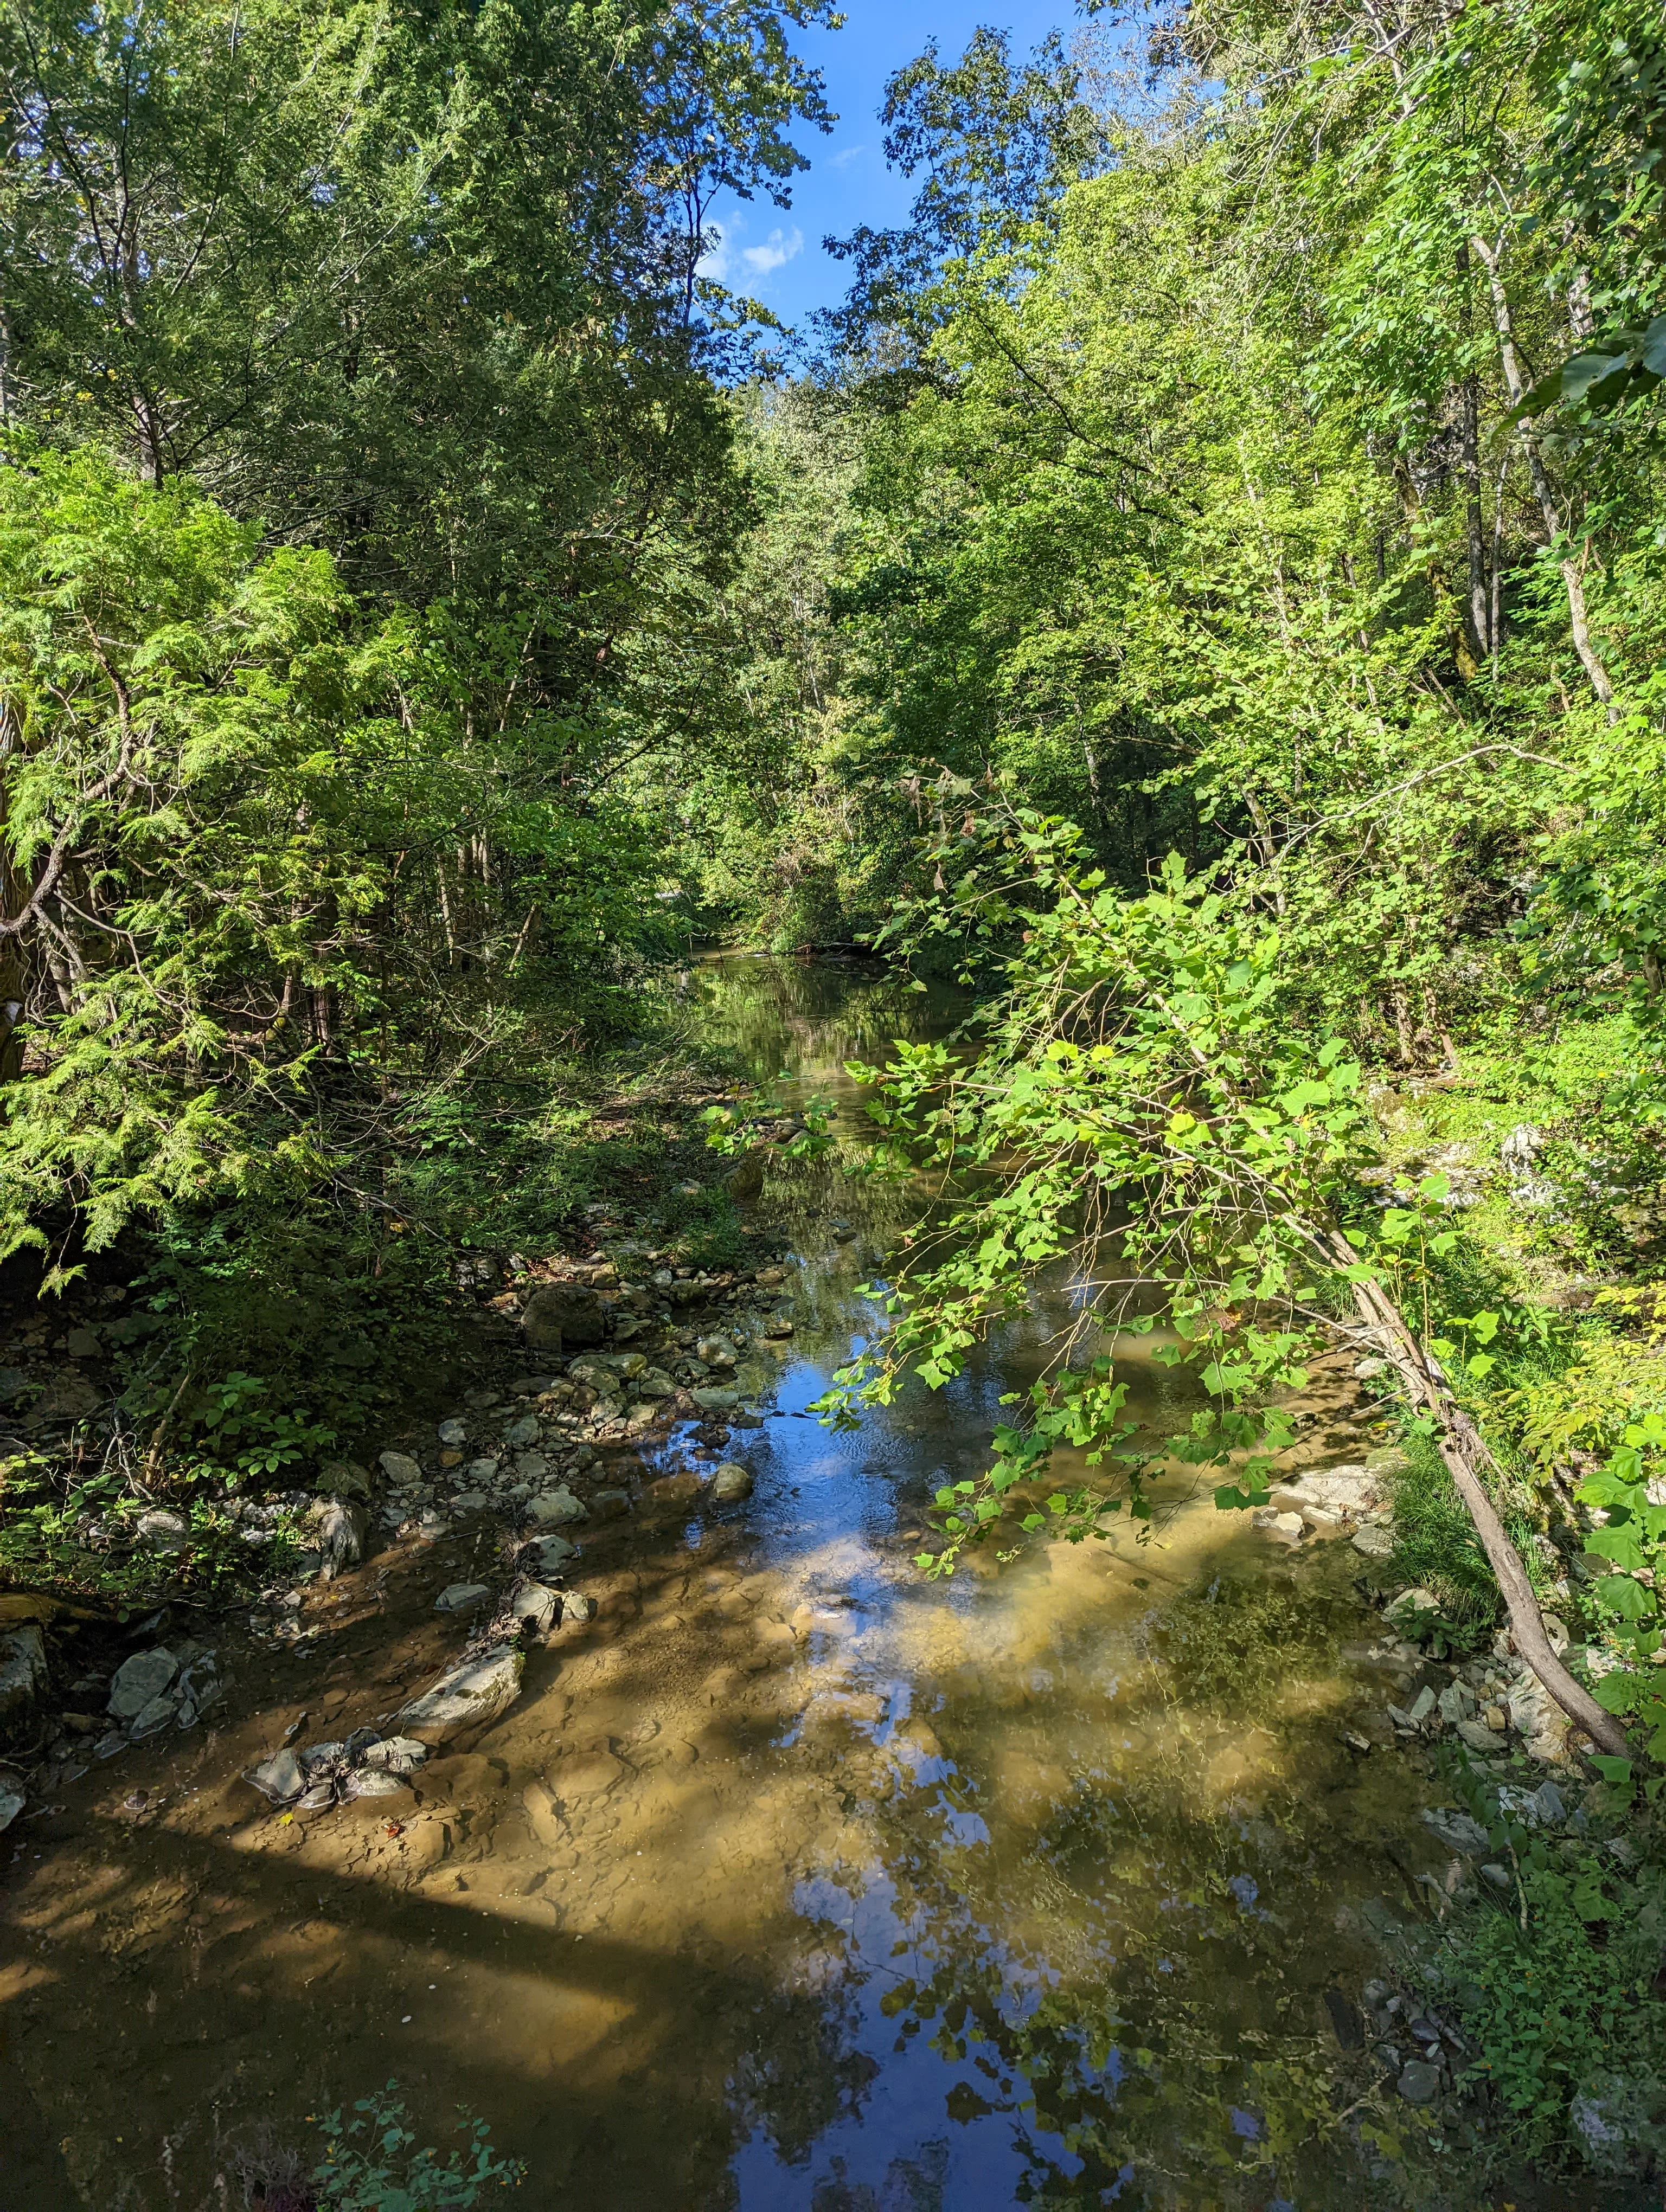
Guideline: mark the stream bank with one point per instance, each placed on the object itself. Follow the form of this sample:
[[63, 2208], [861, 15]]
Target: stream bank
[[785, 1878]]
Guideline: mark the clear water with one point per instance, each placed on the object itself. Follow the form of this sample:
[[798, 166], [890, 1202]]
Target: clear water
[[1051, 1884]]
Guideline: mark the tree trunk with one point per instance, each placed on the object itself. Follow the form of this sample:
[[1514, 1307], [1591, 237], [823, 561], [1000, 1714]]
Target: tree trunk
[[1464, 1450], [1543, 490]]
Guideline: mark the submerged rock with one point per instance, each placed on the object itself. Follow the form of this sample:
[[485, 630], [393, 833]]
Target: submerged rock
[[731, 1482], [552, 1509], [468, 1696]]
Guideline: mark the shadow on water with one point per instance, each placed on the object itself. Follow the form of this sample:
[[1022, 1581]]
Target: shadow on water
[[793, 1883]]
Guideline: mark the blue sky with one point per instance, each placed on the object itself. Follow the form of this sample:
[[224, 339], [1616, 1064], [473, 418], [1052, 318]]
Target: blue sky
[[774, 254]]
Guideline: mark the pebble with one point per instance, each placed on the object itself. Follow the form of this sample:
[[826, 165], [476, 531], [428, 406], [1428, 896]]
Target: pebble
[[1373, 1543], [401, 1470]]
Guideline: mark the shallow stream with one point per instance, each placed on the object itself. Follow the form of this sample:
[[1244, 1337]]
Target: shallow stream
[[798, 1883]]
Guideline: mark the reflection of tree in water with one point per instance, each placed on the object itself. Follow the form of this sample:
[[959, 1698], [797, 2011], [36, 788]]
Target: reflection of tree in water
[[802, 2070], [911, 2184], [808, 1015], [1136, 1986]]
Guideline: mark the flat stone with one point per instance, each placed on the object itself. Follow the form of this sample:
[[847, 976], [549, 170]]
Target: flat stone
[[553, 1509], [1457, 1831], [1418, 2083], [654, 1385], [532, 1467], [1282, 1527], [481, 1470], [1387, 1462], [731, 1482], [587, 1774], [715, 1401], [1373, 1543], [279, 1777], [401, 1470], [469, 1501], [677, 1490], [12, 1802], [1478, 1735], [1421, 1706], [155, 1714], [454, 1432], [467, 1697], [83, 1344], [140, 1678], [462, 1597], [522, 1432]]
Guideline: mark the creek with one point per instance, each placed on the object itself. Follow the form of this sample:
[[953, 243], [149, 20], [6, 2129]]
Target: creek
[[845, 1890]]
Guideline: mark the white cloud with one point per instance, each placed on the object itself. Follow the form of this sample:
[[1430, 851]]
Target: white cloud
[[845, 155], [779, 247], [716, 262]]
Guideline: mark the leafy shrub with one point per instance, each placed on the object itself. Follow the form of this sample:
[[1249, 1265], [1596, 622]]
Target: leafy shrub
[[1565, 2010], [373, 2163]]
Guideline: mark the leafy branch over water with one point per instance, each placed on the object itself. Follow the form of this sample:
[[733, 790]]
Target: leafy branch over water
[[1145, 1105]]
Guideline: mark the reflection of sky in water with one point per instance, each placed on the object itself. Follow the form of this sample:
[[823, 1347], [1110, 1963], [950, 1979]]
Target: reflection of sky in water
[[1026, 1869]]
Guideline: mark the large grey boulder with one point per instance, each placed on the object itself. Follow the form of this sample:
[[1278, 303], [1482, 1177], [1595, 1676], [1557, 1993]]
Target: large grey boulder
[[467, 1697], [22, 1680], [561, 1314], [140, 1678], [339, 1528]]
